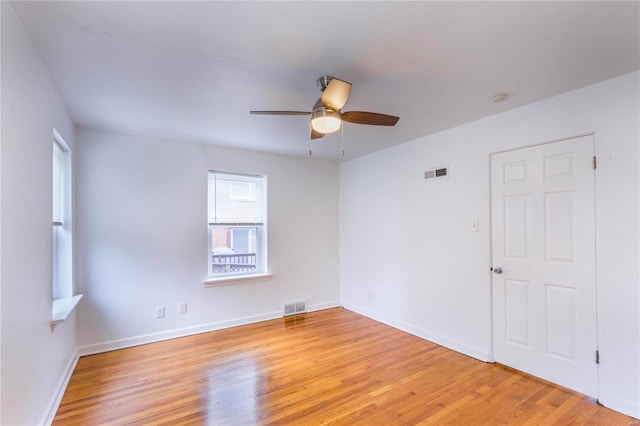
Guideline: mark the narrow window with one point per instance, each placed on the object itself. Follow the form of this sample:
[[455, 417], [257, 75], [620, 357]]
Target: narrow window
[[61, 250], [237, 224]]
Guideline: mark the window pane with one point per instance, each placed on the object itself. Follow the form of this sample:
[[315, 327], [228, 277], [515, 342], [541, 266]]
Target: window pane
[[240, 242], [232, 249], [58, 183], [235, 199]]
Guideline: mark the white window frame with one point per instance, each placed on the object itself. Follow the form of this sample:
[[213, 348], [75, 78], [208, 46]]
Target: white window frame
[[62, 288], [261, 250]]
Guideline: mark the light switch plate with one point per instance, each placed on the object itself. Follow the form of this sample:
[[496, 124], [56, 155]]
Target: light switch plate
[[160, 312]]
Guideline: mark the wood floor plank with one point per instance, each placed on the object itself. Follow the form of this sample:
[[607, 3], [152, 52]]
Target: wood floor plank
[[328, 367]]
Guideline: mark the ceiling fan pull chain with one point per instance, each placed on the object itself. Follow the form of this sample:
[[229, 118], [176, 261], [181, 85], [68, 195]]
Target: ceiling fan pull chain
[[342, 132], [310, 147]]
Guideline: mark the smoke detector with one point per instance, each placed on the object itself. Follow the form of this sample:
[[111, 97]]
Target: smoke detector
[[500, 97]]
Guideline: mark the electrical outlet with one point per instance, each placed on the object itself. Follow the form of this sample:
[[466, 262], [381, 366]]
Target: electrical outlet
[[182, 308], [160, 312]]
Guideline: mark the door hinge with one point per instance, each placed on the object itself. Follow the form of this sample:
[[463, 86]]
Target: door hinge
[[594, 162], [597, 357]]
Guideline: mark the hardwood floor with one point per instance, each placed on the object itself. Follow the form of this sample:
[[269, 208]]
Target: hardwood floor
[[326, 367]]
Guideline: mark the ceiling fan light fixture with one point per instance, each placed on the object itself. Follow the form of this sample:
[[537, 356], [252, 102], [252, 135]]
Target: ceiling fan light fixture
[[325, 120]]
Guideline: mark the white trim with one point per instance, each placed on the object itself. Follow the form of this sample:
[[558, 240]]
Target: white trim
[[62, 308], [54, 403], [172, 334], [622, 405], [60, 140], [222, 172], [188, 331], [455, 345], [323, 306], [237, 279]]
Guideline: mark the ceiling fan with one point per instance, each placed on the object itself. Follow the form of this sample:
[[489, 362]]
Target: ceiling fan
[[326, 115]]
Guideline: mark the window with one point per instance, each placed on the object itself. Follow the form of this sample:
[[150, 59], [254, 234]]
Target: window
[[64, 302], [237, 225], [61, 250]]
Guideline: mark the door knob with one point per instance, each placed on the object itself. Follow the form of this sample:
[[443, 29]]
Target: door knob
[[497, 270]]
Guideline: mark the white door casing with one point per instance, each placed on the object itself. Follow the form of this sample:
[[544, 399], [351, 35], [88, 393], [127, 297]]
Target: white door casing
[[543, 238]]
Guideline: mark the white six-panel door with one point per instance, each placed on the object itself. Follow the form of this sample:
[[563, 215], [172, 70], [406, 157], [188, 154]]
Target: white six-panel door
[[543, 245]]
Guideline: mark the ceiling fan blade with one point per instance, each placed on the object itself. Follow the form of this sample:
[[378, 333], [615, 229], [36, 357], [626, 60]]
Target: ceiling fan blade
[[336, 94], [279, 112], [362, 117], [315, 134]]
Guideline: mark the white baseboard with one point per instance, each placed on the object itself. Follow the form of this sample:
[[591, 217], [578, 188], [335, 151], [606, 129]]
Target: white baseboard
[[323, 306], [54, 403], [465, 349], [622, 405], [188, 331], [128, 342]]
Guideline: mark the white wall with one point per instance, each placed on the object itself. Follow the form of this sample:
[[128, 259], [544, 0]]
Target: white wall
[[34, 359], [141, 210], [408, 258]]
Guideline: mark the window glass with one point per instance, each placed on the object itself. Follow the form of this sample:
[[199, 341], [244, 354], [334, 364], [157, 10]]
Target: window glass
[[237, 229]]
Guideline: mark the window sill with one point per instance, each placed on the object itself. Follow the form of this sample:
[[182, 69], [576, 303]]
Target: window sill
[[215, 282], [62, 308]]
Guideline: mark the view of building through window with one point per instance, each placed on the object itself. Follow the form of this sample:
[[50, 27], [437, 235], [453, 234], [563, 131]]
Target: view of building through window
[[236, 224]]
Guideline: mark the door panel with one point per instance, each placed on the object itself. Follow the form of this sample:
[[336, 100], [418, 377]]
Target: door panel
[[516, 226], [560, 321], [517, 320], [543, 238], [559, 226]]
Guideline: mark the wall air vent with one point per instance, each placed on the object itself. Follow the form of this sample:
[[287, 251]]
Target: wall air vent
[[437, 173], [295, 308]]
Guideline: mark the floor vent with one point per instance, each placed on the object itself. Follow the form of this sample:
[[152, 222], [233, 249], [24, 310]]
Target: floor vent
[[438, 173], [295, 308]]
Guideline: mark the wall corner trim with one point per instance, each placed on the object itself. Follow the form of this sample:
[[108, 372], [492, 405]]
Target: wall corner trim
[[455, 345], [52, 407]]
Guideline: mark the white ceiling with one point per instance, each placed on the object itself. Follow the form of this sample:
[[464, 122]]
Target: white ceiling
[[192, 70]]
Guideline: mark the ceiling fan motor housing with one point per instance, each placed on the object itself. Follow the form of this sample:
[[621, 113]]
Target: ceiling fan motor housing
[[324, 81]]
